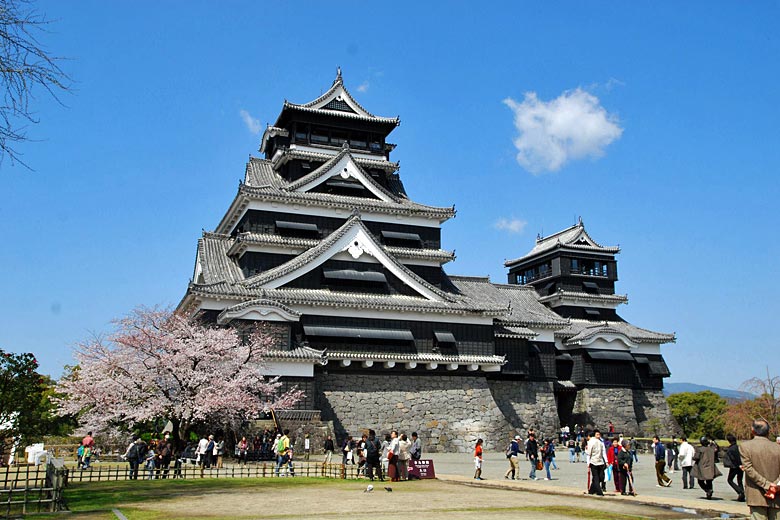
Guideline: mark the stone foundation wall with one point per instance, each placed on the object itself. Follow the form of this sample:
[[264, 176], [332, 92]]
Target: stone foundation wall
[[632, 411], [448, 412], [527, 404], [653, 414], [451, 412]]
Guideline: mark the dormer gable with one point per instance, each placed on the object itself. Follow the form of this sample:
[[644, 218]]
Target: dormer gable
[[356, 240], [342, 167]]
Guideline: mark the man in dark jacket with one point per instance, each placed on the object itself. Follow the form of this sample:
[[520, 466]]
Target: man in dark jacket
[[329, 448], [625, 462], [733, 461], [660, 463], [532, 452], [373, 451]]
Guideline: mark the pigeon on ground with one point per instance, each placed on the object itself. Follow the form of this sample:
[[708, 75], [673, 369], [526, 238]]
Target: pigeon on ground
[[388, 489], [369, 489]]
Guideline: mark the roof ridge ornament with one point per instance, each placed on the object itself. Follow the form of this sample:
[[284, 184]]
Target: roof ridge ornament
[[338, 76]]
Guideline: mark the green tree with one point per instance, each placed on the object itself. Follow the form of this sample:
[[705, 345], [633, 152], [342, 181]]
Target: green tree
[[699, 413], [26, 408]]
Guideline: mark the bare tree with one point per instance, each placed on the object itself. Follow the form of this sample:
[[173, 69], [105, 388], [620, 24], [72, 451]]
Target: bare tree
[[25, 69], [768, 400]]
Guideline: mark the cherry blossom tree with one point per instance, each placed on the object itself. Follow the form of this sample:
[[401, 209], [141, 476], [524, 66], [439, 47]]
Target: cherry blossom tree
[[159, 365]]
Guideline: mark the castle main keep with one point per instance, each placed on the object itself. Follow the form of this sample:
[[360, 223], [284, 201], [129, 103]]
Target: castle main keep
[[325, 247]]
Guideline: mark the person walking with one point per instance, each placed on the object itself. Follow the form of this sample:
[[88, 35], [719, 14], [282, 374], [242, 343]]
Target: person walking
[[596, 455], [134, 455], [660, 463], [478, 460], [685, 455], [513, 454], [704, 468], [761, 462], [329, 448], [732, 460], [548, 454], [532, 453], [571, 444], [625, 462], [283, 452]]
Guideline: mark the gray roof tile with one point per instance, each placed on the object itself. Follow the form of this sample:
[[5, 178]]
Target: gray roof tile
[[521, 301], [580, 330]]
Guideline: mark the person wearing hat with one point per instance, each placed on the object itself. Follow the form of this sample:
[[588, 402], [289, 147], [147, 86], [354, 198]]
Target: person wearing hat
[[512, 453]]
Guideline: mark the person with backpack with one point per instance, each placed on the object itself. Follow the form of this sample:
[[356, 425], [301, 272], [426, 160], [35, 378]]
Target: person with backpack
[[373, 451], [513, 453], [282, 450], [134, 455]]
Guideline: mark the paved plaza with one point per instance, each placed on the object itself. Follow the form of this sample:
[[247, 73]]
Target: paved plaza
[[571, 479]]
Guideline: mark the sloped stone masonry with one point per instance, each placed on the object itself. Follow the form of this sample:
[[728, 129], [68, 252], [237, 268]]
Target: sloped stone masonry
[[451, 412]]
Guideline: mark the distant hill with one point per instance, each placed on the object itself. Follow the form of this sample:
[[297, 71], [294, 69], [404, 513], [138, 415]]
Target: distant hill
[[676, 388]]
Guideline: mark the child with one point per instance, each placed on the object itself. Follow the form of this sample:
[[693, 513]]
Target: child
[[478, 460]]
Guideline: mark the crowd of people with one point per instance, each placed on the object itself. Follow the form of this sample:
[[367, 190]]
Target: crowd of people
[[753, 466], [377, 458]]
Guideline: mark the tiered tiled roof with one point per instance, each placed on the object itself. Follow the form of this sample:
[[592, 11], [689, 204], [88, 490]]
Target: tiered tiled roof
[[264, 184], [301, 354], [326, 170], [579, 331], [339, 93], [574, 237], [521, 302], [216, 265], [463, 359], [562, 294], [287, 154], [242, 240]]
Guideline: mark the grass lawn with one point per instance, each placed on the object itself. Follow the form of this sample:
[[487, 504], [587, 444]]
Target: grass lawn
[[311, 498]]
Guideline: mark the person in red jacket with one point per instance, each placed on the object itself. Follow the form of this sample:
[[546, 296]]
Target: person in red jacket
[[612, 459]]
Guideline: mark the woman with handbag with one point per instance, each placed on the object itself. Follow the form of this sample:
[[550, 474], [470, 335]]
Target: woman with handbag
[[392, 457]]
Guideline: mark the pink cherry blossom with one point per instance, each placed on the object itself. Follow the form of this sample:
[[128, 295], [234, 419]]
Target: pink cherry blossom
[[162, 365]]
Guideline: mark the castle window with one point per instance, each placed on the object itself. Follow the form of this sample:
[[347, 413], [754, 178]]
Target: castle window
[[319, 135]]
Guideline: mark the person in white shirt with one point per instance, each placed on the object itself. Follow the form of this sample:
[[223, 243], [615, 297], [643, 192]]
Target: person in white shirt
[[685, 457], [597, 462], [392, 456], [202, 445]]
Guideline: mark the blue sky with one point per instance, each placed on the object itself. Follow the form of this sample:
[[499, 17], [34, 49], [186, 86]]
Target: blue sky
[[152, 144]]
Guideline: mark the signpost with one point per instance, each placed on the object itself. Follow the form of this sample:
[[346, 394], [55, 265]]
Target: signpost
[[422, 468]]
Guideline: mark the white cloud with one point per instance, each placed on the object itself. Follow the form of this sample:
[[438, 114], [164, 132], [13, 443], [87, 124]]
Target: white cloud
[[572, 126], [363, 87], [252, 124], [513, 225]]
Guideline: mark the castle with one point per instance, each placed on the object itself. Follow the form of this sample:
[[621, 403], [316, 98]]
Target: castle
[[324, 246]]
